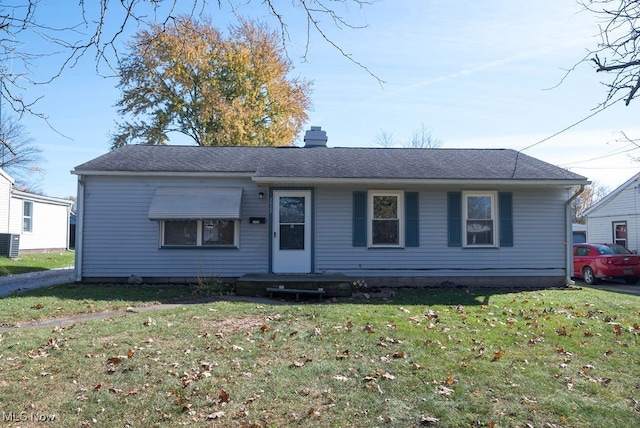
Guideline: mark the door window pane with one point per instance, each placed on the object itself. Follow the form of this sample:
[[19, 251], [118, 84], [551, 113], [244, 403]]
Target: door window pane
[[292, 236], [291, 215], [292, 209]]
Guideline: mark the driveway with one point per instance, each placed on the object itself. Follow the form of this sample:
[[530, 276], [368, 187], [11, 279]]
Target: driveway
[[615, 286], [27, 281]]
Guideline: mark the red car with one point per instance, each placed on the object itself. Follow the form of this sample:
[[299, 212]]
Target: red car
[[593, 262]]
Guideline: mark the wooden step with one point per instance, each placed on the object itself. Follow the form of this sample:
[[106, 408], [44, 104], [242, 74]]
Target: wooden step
[[264, 285]]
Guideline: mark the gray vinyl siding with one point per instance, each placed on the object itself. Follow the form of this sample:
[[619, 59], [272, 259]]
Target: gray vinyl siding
[[119, 240], [538, 250], [623, 207]]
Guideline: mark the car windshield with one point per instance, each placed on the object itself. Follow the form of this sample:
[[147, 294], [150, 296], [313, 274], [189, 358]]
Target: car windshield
[[612, 249]]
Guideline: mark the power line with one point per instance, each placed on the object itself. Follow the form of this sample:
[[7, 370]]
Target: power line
[[615, 153], [572, 125]]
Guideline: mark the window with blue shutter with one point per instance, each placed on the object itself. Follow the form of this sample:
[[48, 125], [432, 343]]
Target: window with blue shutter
[[456, 217], [409, 216]]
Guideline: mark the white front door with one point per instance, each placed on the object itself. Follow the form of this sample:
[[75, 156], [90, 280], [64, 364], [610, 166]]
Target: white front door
[[291, 238]]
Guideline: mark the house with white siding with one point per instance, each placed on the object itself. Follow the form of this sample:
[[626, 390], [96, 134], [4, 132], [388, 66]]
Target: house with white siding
[[6, 184], [418, 217], [33, 223], [616, 217]]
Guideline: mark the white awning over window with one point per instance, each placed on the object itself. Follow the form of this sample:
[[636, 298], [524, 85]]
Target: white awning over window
[[196, 203]]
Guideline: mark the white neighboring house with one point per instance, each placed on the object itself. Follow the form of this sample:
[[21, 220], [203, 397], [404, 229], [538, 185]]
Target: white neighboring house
[[41, 222], [615, 218], [6, 182]]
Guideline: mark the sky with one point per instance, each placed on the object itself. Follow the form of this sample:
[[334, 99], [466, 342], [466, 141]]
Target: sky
[[490, 74]]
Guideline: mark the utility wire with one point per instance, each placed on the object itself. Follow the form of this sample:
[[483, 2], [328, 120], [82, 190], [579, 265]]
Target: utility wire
[[618, 152], [572, 125]]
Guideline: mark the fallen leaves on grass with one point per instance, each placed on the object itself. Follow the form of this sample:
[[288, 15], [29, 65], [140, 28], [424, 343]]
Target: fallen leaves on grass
[[44, 350], [428, 420], [443, 390], [216, 415]]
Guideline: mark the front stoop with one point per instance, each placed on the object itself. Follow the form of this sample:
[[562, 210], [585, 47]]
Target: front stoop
[[257, 284]]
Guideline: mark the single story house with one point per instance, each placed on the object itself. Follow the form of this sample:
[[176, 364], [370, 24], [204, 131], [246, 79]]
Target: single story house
[[414, 217], [31, 223], [6, 185], [615, 218]]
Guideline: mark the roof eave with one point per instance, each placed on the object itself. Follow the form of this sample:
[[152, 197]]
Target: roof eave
[[18, 194], [421, 181], [162, 173], [602, 202], [263, 180]]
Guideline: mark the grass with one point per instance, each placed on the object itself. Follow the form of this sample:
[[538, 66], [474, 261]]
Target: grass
[[554, 358], [77, 299], [35, 262]]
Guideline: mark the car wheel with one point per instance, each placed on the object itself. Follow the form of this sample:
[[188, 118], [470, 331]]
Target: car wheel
[[631, 280], [588, 276]]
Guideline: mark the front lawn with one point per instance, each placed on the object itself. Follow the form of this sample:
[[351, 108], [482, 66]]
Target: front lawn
[[554, 358], [35, 262]]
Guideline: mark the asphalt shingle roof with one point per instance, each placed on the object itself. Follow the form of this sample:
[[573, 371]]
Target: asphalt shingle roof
[[329, 162]]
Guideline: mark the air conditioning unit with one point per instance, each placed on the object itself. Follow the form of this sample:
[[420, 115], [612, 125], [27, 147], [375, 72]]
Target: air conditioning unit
[[9, 245]]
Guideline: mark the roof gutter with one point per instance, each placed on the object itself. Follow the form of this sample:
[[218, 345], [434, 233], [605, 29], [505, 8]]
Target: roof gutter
[[569, 236], [79, 229], [164, 173], [414, 181]]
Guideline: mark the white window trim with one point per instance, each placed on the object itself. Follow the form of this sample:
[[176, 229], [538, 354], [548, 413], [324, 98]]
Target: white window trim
[[400, 195], [24, 216], [494, 216], [200, 225], [615, 239]]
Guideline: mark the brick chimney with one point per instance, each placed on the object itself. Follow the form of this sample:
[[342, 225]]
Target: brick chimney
[[315, 137]]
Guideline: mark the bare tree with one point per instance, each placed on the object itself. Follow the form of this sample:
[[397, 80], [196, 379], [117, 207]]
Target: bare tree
[[420, 139], [384, 139], [95, 28], [19, 156], [423, 139], [618, 52]]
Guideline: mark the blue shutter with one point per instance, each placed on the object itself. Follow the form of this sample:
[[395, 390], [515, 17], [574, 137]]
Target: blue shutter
[[505, 216], [454, 219], [359, 219], [411, 226]]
